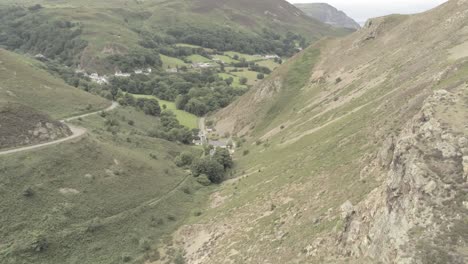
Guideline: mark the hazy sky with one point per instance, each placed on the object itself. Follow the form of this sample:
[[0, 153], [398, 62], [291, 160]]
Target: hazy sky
[[361, 10]]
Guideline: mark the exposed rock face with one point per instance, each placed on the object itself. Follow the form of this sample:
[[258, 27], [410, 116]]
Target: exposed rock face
[[21, 126], [419, 213], [374, 165], [329, 15]]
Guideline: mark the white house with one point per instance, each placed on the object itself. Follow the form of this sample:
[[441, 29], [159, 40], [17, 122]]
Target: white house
[[121, 74], [98, 79], [268, 57]]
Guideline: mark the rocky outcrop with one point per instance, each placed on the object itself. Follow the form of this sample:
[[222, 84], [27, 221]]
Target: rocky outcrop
[[419, 215], [22, 126], [329, 15]]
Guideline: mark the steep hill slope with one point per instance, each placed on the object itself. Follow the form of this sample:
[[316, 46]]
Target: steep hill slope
[[94, 30], [32, 101], [107, 196], [356, 152], [328, 14], [25, 81]]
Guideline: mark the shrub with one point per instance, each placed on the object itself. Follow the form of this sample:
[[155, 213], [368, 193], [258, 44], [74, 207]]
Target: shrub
[[126, 257], [94, 225], [35, 7], [39, 243], [184, 159], [28, 192], [186, 190], [179, 259], [260, 76], [203, 180], [197, 213], [144, 244], [245, 152], [243, 81]]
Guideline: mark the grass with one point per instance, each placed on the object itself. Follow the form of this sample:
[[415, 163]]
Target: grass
[[270, 64], [198, 58], [171, 62], [188, 46], [97, 198], [247, 57], [326, 164], [25, 82], [236, 79], [225, 59], [187, 119], [296, 77], [250, 75]]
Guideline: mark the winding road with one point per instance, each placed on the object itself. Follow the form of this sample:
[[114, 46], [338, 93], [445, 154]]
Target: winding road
[[76, 132]]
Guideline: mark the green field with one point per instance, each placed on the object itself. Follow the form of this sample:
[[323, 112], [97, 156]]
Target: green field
[[171, 62], [250, 75], [198, 58], [187, 119], [225, 59], [270, 64], [235, 83], [247, 57]]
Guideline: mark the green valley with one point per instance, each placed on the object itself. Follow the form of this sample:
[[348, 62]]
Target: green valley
[[232, 131]]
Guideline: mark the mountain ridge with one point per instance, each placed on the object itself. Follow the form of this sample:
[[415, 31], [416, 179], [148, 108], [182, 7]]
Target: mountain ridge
[[100, 30], [329, 15]]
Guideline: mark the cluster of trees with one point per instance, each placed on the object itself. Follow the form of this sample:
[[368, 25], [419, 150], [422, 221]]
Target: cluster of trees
[[136, 59], [213, 168], [194, 92], [226, 39], [172, 130], [30, 30]]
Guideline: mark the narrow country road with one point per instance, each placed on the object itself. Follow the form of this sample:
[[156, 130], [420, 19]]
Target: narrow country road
[[201, 126], [76, 132]]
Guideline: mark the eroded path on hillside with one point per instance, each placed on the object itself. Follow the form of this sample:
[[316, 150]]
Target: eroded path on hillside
[[76, 132]]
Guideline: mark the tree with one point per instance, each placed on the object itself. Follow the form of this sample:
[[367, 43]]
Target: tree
[[184, 159], [181, 101], [229, 81], [209, 167], [151, 107], [223, 157], [196, 107], [260, 76], [243, 81], [114, 91], [129, 100]]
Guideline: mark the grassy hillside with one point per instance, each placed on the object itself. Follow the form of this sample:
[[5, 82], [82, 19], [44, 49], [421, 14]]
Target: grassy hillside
[[109, 196], [101, 199], [328, 169], [24, 81], [96, 30]]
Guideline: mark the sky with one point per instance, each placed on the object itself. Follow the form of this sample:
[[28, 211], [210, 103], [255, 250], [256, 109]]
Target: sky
[[361, 10]]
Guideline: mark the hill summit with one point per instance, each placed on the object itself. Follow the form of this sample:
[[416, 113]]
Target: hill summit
[[328, 14]]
